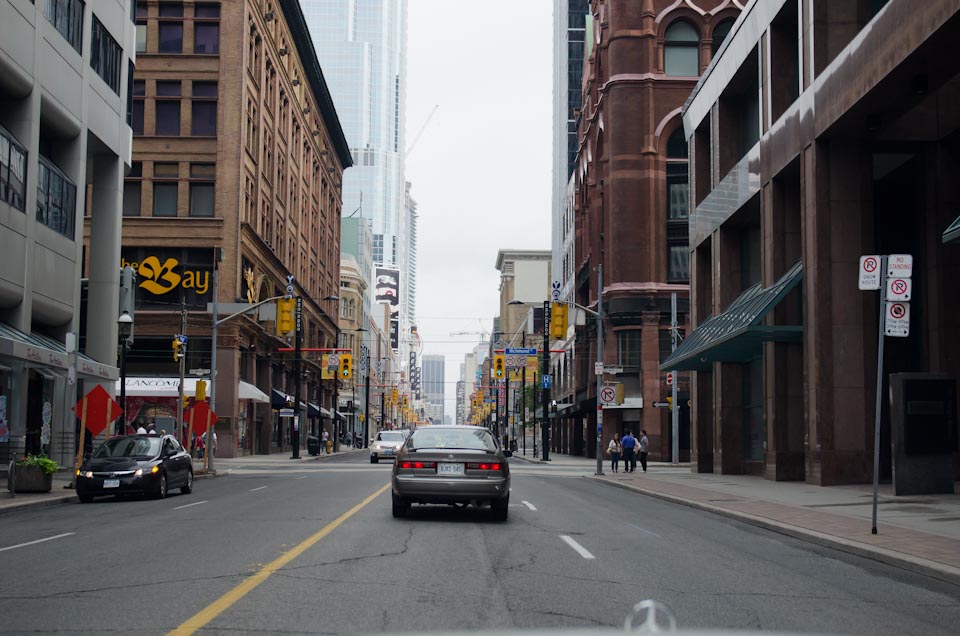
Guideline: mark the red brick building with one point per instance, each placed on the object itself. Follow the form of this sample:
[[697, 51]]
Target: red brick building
[[643, 59]]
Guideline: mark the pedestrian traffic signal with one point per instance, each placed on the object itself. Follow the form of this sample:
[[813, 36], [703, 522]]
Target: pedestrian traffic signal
[[346, 366], [285, 308], [179, 349], [499, 365], [558, 321]]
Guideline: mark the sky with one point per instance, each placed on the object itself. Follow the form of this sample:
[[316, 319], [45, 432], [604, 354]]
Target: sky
[[481, 170]]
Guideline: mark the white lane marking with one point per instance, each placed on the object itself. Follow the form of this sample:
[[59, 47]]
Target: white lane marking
[[650, 532], [303, 477], [582, 551], [529, 505], [23, 545], [195, 503], [256, 489]]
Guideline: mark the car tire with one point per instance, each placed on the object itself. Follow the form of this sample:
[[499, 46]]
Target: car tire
[[400, 507], [162, 486], [374, 459], [188, 487], [500, 508], [85, 498]]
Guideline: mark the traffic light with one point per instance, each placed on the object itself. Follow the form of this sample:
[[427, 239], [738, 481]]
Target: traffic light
[[406, 403], [201, 391], [285, 307], [670, 402], [558, 321], [499, 365], [179, 349], [346, 366]]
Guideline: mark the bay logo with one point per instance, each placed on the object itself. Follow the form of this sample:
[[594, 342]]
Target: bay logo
[[162, 278]]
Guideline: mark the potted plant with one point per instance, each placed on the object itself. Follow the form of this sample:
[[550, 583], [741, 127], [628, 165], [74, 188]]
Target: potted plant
[[34, 473]]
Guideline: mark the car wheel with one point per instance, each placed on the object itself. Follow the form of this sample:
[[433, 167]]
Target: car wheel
[[374, 459], [188, 487], [162, 488], [400, 506], [85, 498], [500, 507]]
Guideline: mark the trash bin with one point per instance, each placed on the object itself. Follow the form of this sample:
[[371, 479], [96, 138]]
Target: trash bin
[[313, 444]]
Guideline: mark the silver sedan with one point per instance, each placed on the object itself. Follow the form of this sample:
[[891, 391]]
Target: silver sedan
[[451, 465]]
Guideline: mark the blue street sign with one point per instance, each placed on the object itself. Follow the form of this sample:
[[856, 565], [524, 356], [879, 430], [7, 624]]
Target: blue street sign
[[182, 338], [546, 381], [521, 352]]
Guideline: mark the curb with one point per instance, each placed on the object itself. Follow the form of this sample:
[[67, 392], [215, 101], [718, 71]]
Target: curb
[[38, 503], [918, 565]]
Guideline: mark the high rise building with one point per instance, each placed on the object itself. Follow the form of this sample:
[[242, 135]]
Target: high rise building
[[409, 256], [361, 45], [433, 386]]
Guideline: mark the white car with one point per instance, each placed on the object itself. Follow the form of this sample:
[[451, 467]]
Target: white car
[[386, 445]]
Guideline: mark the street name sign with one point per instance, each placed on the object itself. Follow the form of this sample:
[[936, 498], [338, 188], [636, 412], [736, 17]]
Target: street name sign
[[897, 322], [661, 405], [529, 351], [869, 272]]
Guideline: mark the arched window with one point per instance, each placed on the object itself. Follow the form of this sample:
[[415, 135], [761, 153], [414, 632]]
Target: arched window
[[720, 33], [678, 202], [681, 50]]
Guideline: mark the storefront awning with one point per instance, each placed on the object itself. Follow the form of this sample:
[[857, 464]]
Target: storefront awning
[[170, 387], [312, 410], [280, 400], [952, 233], [736, 334], [247, 391], [44, 352]]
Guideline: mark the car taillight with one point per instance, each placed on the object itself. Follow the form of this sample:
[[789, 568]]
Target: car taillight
[[410, 465], [483, 466]]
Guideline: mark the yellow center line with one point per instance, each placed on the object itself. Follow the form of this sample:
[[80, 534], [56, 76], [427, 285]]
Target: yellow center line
[[207, 614]]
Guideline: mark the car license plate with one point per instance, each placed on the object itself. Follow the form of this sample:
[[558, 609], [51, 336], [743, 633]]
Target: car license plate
[[388, 451], [111, 483], [450, 469]]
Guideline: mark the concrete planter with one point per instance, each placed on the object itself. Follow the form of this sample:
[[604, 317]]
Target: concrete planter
[[32, 479]]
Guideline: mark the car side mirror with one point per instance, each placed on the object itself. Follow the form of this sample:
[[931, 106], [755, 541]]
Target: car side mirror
[[508, 453]]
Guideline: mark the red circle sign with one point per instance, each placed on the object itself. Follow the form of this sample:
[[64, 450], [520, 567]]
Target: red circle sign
[[898, 286], [608, 394], [870, 264], [897, 310]]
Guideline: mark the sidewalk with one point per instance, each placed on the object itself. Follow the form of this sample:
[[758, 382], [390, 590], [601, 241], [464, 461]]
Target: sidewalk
[[222, 466], [919, 533]]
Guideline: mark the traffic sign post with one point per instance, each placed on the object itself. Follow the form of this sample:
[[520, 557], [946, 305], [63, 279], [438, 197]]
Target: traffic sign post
[[897, 321], [899, 288]]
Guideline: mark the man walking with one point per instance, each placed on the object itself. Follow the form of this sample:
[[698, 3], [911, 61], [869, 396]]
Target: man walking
[[629, 444], [644, 442]]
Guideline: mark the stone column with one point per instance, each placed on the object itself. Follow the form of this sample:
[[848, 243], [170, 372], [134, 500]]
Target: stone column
[[651, 418]]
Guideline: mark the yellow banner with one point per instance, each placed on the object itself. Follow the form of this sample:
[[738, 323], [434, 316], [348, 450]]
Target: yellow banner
[[326, 373], [533, 365]]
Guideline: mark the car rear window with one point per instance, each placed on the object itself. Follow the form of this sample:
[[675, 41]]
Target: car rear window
[[469, 438]]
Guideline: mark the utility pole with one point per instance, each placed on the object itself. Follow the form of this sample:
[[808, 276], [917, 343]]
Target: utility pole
[[183, 367], [213, 353], [523, 394], [366, 407], [675, 410], [545, 389], [297, 344], [600, 362]]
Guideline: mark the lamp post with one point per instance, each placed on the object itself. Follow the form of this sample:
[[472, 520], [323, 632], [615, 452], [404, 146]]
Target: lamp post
[[124, 326]]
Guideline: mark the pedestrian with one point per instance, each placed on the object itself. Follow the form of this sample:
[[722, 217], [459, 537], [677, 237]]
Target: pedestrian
[[151, 429], [324, 439], [613, 449], [643, 443], [629, 444], [141, 430]]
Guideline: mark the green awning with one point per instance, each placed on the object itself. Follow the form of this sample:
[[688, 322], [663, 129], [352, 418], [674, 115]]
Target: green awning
[[952, 233], [737, 334]]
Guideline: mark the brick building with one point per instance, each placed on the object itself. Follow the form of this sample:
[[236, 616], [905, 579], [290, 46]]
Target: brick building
[[238, 154], [631, 205], [826, 130]]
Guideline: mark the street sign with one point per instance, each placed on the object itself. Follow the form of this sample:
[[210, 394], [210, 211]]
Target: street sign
[[613, 370], [608, 394], [286, 412], [181, 338], [900, 265], [661, 405], [897, 321], [899, 288], [97, 410], [869, 272], [199, 371], [545, 381], [333, 361], [555, 294], [528, 351], [598, 368], [669, 378]]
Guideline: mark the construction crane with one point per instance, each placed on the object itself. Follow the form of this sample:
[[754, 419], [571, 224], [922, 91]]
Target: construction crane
[[421, 131]]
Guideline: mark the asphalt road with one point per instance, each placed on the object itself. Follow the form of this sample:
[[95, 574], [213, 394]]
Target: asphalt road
[[278, 550]]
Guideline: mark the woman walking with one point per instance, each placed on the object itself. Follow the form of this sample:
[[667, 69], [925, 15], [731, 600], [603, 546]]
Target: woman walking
[[613, 449]]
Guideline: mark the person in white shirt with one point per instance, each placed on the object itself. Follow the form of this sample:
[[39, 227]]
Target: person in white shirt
[[613, 450], [141, 430]]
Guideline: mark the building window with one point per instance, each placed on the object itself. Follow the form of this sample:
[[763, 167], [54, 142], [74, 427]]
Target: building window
[[105, 55], [168, 110], [679, 266], [720, 33], [678, 206], [170, 28], [13, 171], [628, 349], [140, 20], [56, 199], [67, 17], [132, 187], [165, 189], [202, 183], [681, 50], [139, 90], [206, 29], [204, 116]]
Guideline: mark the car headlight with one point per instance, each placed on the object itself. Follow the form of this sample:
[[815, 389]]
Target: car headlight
[[138, 473], [88, 474]]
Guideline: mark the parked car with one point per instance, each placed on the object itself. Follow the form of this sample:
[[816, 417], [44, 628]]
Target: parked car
[[386, 445], [451, 465], [135, 464]]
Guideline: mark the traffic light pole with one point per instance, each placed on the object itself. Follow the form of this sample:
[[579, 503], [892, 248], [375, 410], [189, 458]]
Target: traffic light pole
[[544, 390], [297, 343], [183, 367], [366, 408]]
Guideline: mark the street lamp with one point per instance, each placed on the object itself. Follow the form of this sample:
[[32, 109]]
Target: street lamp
[[124, 327]]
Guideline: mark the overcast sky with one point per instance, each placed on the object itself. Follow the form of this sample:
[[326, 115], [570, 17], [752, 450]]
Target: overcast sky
[[481, 169]]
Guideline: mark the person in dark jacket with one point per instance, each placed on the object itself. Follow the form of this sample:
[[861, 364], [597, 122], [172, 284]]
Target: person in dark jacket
[[629, 444]]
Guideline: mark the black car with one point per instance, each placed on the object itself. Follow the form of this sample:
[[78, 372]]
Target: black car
[[136, 464]]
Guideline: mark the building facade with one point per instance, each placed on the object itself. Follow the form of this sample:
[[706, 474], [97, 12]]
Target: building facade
[[642, 61], [824, 131], [238, 163], [64, 147], [409, 256], [434, 369]]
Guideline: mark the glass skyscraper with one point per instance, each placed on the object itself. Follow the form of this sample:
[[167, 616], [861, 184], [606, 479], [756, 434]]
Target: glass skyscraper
[[362, 48]]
